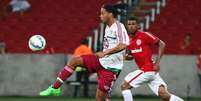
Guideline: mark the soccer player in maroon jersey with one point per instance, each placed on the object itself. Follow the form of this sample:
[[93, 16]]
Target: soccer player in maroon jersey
[[107, 63], [140, 50]]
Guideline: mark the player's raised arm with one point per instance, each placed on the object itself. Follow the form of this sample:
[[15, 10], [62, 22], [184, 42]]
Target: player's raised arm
[[161, 47], [118, 48], [152, 39]]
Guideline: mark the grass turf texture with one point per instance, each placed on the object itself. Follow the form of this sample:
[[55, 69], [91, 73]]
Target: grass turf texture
[[76, 99]]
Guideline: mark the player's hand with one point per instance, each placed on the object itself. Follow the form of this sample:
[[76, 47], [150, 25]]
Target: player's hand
[[157, 67], [100, 54]]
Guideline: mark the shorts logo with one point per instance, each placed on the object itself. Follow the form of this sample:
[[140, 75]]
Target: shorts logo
[[138, 42]]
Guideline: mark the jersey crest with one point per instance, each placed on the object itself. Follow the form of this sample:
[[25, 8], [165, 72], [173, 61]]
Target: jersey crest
[[138, 42]]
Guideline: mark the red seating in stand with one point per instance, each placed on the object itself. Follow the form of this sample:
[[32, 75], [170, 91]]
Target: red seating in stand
[[62, 22]]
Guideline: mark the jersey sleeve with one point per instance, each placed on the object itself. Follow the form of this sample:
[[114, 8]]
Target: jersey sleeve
[[77, 51], [82, 50], [122, 34], [150, 38]]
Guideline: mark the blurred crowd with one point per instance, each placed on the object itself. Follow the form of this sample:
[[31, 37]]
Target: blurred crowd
[[15, 6]]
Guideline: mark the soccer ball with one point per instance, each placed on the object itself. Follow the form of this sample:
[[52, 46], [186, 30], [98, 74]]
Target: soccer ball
[[37, 43]]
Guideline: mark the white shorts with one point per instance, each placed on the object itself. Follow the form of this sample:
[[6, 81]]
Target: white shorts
[[139, 77]]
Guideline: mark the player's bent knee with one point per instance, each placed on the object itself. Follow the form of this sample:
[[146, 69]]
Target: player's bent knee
[[163, 94], [125, 86], [75, 61]]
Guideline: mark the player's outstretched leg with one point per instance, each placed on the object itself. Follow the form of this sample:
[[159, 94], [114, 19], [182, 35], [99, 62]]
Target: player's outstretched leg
[[166, 96], [126, 92], [54, 89]]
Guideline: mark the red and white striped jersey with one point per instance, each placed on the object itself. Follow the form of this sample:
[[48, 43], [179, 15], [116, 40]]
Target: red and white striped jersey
[[114, 35]]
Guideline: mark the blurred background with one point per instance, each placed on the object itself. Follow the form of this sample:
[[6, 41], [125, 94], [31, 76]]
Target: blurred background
[[67, 25]]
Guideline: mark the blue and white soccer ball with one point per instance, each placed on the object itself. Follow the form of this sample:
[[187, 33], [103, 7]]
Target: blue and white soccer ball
[[37, 43]]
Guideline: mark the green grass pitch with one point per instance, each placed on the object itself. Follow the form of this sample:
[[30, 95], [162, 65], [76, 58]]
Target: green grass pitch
[[76, 99]]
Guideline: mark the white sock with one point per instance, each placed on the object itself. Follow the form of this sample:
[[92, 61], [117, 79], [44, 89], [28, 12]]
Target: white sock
[[127, 95], [175, 98]]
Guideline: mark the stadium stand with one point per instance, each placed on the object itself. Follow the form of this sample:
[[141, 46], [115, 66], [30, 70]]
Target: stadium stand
[[171, 20], [62, 23], [66, 22], [175, 20]]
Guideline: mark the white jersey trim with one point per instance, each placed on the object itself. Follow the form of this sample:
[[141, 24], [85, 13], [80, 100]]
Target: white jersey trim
[[150, 35]]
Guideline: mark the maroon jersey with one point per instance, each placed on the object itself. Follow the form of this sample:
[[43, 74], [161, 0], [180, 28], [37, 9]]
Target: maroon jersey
[[140, 47]]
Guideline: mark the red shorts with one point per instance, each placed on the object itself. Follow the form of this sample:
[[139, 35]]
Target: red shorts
[[105, 77]]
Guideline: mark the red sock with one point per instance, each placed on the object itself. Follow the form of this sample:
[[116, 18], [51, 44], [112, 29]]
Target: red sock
[[63, 75]]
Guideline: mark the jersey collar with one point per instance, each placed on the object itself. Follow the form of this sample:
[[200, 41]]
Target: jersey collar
[[112, 24], [136, 34]]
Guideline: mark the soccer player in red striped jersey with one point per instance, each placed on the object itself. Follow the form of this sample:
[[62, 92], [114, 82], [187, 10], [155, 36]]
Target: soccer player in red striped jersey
[[140, 49], [107, 63]]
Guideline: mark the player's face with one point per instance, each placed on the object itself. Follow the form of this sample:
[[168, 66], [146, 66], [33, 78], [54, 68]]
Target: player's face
[[132, 26], [104, 16]]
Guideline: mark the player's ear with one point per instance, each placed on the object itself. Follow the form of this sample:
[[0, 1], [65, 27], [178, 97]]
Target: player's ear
[[110, 14]]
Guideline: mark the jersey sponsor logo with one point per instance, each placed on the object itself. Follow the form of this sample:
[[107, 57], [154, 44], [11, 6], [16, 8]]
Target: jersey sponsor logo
[[105, 43], [112, 32], [111, 37], [138, 42], [137, 50]]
